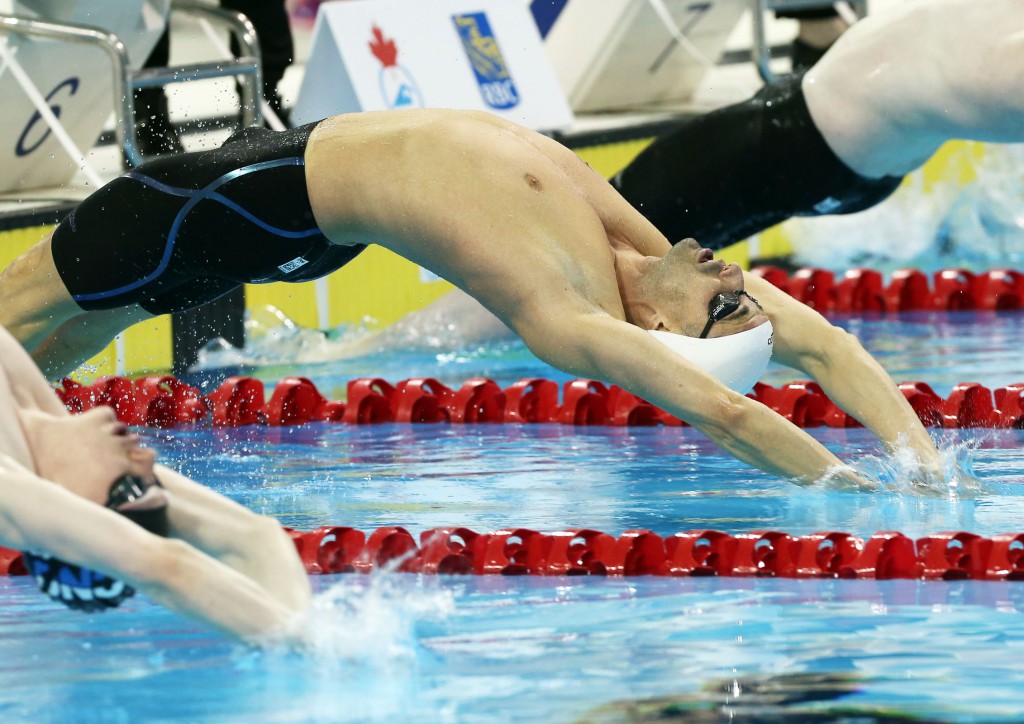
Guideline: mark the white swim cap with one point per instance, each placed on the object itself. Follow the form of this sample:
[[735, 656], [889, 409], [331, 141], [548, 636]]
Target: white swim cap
[[736, 360]]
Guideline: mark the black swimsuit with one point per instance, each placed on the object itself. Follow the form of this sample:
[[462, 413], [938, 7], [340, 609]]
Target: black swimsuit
[[733, 172], [183, 230]]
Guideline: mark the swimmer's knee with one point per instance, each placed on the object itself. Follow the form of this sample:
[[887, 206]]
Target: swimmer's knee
[[21, 268], [31, 285]]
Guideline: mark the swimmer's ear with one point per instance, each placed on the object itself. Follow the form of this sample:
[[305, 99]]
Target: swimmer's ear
[[643, 315], [656, 321]]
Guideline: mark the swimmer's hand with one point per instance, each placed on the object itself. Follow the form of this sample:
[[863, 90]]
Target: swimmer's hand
[[291, 634], [951, 482], [845, 478]]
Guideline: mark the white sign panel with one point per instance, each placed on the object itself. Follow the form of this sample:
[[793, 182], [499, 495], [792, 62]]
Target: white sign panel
[[623, 54], [76, 80], [396, 54]]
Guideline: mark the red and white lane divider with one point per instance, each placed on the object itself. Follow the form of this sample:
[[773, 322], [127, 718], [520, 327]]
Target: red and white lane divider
[[164, 401], [864, 290], [520, 551]]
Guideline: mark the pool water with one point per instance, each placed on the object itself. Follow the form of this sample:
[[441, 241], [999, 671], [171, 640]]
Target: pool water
[[400, 647]]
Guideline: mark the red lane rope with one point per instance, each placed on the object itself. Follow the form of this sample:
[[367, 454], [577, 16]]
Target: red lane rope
[[863, 290], [885, 555], [164, 401]]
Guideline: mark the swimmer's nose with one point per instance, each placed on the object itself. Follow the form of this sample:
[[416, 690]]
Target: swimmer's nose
[[142, 461]]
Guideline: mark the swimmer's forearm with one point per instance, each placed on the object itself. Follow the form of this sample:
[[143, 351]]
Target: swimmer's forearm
[[252, 544], [603, 348], [855, 381], [760, 437], [199, 587], [847, 373]]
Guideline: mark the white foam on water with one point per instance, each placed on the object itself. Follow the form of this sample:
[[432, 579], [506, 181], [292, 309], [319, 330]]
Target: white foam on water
[[372, 621], [362, 656], [901, 473]]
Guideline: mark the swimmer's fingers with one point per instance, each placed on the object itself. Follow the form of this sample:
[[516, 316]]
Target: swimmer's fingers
[[155, 497], [845, 478], [967, 484]]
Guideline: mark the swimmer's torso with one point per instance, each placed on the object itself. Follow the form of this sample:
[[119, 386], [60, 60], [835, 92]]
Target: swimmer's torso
[[508, 218]]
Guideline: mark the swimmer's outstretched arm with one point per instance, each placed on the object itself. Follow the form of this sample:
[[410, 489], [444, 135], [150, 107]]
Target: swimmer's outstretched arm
[[598, 346], [847, 373], [38, 515], [252, 544]]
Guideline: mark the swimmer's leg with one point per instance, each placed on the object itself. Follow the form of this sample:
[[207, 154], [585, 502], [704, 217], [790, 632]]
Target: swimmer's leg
[[82, 337], [890, 92], [37, 309], [33, 298]]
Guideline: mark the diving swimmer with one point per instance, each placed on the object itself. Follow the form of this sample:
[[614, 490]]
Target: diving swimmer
[[511, 217], [839, 138]]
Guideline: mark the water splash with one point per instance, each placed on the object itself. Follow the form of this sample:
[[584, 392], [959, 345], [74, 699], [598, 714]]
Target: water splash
[[901, 473], [455, 331], [362, 659], [274, 338], [927, 226], [374, 620], [985, 224]]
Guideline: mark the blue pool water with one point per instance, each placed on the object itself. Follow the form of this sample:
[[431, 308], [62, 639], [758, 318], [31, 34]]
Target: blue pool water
[[465, 649]]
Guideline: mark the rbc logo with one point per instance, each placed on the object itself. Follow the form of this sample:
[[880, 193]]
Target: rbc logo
[[496, 85], [397, 86]]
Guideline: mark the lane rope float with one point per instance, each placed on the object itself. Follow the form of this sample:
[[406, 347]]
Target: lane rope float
[[164, 401], [948, 556]]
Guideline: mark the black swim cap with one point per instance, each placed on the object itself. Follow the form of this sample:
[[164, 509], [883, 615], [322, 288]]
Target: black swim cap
[[81, 588], [129, 488]]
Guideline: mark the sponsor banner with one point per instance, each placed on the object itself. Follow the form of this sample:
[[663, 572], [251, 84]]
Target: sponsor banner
[[398, 54]]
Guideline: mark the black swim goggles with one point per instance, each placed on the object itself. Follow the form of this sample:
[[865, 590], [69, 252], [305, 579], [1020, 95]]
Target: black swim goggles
[[721, 306]]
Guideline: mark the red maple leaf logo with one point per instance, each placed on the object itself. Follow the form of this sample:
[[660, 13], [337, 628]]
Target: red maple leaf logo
[[384, 48]]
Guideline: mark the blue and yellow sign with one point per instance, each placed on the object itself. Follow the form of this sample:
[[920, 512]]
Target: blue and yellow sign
[[496, 84]]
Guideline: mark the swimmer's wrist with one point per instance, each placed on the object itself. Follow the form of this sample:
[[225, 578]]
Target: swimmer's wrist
[[291, 633], [845, 477]]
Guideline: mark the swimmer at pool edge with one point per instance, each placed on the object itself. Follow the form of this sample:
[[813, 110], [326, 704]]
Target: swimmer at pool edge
[[183, 545]]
